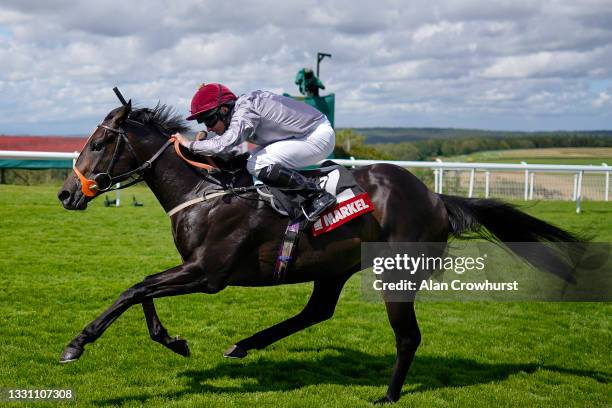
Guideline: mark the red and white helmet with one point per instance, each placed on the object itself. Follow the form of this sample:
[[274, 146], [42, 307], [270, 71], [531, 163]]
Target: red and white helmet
[[208, 97]]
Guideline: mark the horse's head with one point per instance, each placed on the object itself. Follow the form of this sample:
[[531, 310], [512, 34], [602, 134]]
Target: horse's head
[[106, 159]]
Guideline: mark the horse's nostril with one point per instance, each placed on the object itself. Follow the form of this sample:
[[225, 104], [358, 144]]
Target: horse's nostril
[[63, 195]]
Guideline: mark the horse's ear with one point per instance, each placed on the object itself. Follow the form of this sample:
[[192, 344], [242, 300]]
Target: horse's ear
[[124, 112]]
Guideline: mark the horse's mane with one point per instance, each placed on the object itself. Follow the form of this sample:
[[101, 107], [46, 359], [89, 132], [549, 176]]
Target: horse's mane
[[166, 119], [162, 116]]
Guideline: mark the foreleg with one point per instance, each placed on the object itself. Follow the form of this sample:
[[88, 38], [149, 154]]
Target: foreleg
[[180, 280], [159, 333]]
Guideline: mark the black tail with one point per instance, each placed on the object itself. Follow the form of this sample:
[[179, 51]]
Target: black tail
[[504, 223]]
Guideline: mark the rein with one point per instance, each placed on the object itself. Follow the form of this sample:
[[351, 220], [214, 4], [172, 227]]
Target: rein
[[208, 167], [102, 182]]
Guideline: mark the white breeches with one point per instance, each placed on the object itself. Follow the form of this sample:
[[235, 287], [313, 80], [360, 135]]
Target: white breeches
[[295, 153]]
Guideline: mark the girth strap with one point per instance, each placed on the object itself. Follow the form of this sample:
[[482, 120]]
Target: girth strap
[[209, 195], [196, 200]]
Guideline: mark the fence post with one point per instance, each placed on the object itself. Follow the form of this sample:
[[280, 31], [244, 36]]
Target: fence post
[[574, 193], [440, 177], [526, 192], [118, 197], [531, 183], [607, 187], [471, 189], [435, 180], [487, 175], [353, 159], [579, 192]]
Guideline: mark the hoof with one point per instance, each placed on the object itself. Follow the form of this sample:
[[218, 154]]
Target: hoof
[[179, 346], [70, 354], [384, 400], [235, 352]]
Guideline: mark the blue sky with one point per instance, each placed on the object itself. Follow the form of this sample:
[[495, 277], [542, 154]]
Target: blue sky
[[508, 65]]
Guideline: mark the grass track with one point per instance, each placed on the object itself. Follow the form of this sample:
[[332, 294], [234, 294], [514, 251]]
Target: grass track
[[59, 269], [553, 155]]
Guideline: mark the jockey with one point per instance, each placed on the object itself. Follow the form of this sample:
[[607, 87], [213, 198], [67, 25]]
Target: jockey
[[289, 134]]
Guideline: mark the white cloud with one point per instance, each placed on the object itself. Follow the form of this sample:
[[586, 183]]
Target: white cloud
[[443, 28], [602, 99], [542, 64], [471, 63]]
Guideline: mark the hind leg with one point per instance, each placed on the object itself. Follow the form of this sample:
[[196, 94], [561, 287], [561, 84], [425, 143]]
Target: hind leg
[[320, 307], [407, 339]]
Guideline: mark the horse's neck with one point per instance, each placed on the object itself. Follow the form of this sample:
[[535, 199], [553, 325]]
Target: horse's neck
[[172, 180]]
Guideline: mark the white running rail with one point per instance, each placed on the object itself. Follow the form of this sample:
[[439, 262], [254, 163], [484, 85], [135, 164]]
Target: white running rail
[[471, 179]]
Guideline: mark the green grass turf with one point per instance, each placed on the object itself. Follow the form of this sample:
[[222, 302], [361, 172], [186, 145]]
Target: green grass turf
[[60, 269], [556, 155]]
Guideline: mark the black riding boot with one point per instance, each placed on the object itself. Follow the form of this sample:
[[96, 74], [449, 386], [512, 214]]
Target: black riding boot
[[318, 199]]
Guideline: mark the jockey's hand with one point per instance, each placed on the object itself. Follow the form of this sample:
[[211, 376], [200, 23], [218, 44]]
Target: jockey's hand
[[201, 135], [182, 139]]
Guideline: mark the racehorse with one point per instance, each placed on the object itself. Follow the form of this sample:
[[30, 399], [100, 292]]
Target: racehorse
[[234, 241]]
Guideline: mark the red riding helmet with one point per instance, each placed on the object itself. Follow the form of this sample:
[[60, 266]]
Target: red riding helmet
[[209, 96]]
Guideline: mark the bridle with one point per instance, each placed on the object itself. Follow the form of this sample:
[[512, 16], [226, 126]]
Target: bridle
[[104, 181]]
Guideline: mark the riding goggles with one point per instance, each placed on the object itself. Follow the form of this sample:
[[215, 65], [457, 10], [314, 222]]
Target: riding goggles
[[211, 119]]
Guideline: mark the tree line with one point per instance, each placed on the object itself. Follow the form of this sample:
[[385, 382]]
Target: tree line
[[351, 143]]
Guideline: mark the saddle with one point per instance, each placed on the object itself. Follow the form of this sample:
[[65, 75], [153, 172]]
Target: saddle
[[335, 179], [351, 200]]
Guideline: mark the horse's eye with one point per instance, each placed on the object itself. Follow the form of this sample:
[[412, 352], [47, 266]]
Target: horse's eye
[[96, 146]]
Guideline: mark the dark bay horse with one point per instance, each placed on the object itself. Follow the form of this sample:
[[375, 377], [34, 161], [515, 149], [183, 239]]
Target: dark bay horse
[[232, 241]]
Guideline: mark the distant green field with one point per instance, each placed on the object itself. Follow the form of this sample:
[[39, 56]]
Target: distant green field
[[404, 134], [60, 269], [556, 155]]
